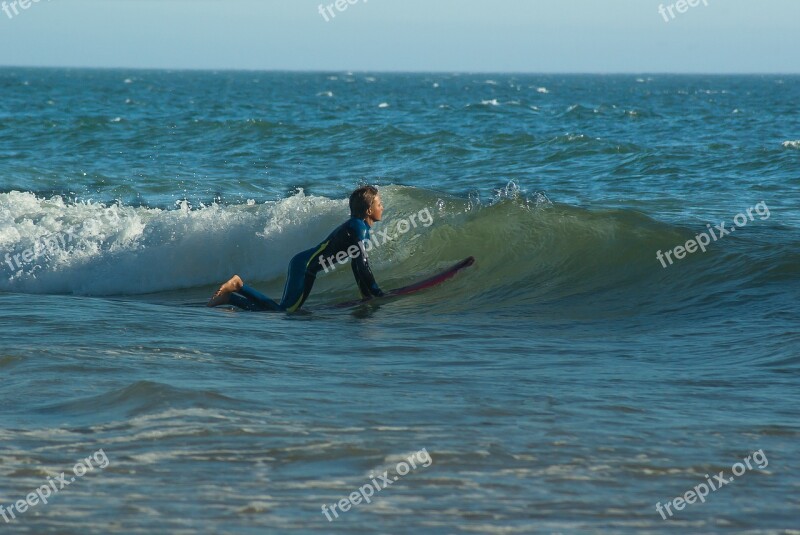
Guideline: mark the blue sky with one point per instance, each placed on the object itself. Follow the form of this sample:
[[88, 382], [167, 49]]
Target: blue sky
[[408, 35]]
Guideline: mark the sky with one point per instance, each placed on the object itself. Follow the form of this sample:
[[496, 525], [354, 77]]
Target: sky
[[540, 36]]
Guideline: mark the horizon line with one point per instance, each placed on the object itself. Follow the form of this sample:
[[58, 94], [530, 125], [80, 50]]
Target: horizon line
[[401, 71]]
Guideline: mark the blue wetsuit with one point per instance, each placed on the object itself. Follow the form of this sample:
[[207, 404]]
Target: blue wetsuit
[[303, 269]]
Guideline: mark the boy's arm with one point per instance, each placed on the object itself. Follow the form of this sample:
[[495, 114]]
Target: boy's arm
[[361, 270]]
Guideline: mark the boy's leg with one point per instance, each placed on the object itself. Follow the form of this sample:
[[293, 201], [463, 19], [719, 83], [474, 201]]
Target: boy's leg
[[299, 281], [249, 299], [240, 301], [222, 297], [236, 293]]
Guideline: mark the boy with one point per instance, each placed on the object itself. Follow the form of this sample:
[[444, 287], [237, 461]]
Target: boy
[[365, 209]]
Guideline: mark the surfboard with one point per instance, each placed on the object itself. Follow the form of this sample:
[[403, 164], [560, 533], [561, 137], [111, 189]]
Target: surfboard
[[422, 285]]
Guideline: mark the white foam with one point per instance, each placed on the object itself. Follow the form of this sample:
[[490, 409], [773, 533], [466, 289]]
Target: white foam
[[792, 144], [51, 245]]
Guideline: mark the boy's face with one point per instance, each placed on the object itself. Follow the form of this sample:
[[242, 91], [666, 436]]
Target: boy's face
[[375, 212]]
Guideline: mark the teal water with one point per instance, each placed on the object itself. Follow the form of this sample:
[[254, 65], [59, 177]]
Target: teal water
[[566, 383]]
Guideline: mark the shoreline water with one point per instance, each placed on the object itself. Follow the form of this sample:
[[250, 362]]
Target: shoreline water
[[564, 383]]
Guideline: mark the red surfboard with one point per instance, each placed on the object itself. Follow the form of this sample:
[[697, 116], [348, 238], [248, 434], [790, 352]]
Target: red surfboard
[[449, 273]]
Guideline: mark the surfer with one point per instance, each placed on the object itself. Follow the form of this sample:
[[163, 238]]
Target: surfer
[[345, 241]]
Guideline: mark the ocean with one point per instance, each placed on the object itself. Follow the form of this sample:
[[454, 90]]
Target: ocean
[[623, 357]]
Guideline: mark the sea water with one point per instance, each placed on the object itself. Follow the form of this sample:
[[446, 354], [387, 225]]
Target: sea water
[[568, 382]]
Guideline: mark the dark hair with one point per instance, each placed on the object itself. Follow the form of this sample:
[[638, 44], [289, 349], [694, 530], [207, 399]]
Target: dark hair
[[361, 199]]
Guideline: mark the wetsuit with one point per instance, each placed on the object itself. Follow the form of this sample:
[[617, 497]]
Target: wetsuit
[[349, 239]]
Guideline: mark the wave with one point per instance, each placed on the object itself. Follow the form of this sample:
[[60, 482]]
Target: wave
[[142, 397], [528, 249]]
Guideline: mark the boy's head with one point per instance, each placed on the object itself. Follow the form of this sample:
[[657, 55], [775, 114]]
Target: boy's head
[[365, 203]]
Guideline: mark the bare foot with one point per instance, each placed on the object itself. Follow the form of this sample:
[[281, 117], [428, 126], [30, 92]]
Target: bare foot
[[223, 294]]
